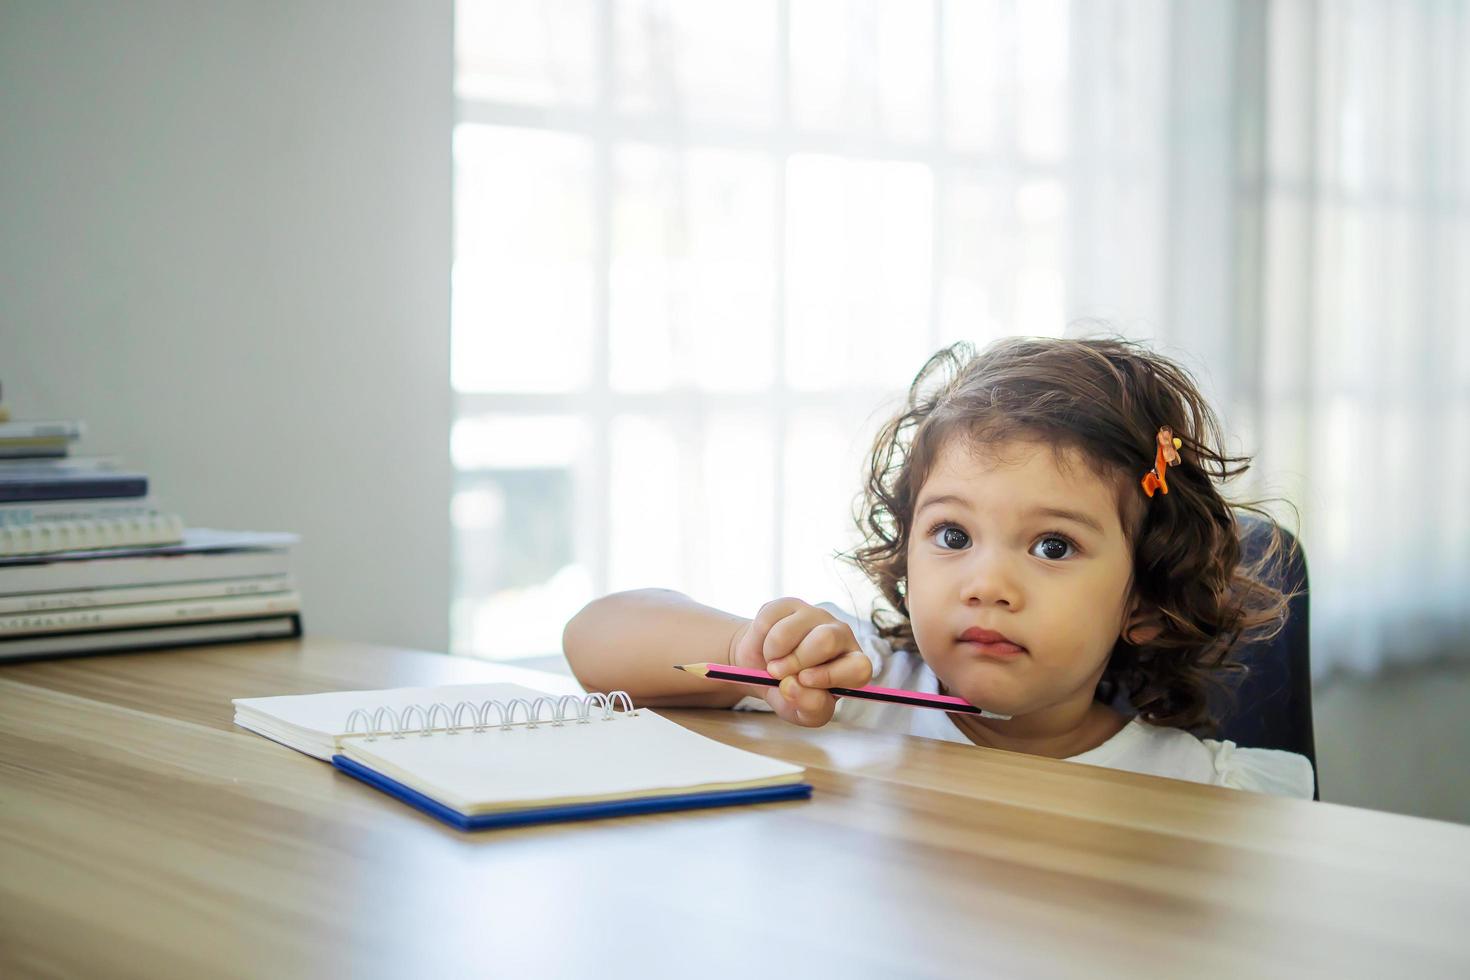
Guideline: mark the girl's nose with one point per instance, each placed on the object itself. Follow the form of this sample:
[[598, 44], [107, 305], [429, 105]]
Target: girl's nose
[[988, 580]]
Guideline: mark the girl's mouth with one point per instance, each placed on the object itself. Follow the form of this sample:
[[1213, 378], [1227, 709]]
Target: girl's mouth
[[990, 643], [995, 651]]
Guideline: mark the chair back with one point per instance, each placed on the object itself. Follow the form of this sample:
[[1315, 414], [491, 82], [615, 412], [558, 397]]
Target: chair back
[[1272, 707]]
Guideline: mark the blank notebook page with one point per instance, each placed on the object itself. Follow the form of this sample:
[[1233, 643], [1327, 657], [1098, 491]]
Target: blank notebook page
[[630, 756]]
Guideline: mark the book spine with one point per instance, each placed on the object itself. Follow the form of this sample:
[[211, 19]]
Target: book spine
[[152, 637], [132, 595], [77, 486], [52, 537], [20, 515], [64, 465], [33, 448], [107, 573], [148, 614], [43, 429]]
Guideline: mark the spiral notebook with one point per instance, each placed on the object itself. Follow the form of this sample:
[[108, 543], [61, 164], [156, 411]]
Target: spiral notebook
[[505, 762]]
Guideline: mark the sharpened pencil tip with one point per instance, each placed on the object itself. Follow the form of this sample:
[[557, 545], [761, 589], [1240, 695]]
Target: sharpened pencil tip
[[677, 667]]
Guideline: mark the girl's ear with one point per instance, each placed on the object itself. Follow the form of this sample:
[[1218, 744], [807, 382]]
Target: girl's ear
[[1142, 625]]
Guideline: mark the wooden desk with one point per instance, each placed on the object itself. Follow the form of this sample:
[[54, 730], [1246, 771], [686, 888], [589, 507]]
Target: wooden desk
[[142, 834]]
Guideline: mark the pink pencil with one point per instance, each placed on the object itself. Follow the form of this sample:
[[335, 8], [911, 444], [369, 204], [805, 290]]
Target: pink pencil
[[917, 699]]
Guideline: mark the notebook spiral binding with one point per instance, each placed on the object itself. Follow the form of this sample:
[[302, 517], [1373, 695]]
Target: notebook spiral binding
[[468, 716]]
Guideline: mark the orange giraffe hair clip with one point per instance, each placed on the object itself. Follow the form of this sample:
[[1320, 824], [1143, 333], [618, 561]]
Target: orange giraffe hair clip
[[1168, 456]]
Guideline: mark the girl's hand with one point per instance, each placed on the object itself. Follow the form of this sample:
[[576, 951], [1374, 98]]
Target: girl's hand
[[810, 650]]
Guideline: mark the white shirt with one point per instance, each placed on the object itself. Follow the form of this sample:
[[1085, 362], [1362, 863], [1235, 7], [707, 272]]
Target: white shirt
[[1137, 747]]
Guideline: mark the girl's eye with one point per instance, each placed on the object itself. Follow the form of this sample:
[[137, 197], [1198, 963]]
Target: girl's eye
[[1055, 546], [950, 538]]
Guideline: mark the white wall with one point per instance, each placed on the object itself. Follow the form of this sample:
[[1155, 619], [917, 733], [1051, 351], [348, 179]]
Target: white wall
[[225, 244]]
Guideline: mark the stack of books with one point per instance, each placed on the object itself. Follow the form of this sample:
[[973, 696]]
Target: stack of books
[[89, 562]]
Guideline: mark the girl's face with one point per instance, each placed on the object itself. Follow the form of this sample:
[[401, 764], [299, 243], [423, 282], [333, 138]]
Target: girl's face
[[984, 554]]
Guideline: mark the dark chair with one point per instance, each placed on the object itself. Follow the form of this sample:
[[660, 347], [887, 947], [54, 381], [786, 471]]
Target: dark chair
[[1272, 708]]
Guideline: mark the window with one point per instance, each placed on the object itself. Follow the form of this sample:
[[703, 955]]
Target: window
[[700, 250]]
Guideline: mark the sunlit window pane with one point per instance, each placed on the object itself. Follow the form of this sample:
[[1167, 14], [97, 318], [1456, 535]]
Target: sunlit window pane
[[1042, 237], [493, 442], [1286, 297], [705, 59], [1041, 68], [977, 71], [1291, 109], [1115, 252], [693, 272], [735, 540], [1371, 142], [824, 452], [693, 507], [975, 291], [530, 51], [866, 67], [859, 242], [825, 93], [906, 48], [648, 485], [521, 309], [519, 546]]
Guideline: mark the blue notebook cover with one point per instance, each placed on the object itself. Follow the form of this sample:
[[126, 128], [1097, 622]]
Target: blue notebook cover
[[579, 811]]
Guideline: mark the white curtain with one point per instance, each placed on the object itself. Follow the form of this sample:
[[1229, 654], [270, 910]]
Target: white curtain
[[1279, 194], [1356, 245]]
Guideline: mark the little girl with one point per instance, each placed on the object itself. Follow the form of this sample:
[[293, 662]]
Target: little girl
[[1044, 525]]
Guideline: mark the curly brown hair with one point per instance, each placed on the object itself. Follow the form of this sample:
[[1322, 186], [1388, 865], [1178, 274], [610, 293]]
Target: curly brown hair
[[1105, 399]]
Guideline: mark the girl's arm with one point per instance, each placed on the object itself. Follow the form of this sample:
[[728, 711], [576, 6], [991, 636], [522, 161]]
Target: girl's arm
[[630, 641]]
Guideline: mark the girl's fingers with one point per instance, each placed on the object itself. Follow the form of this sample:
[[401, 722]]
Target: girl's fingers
[[851, 669], [821, 643], [786, 635], [785, 708], [814, 708], [748, 651], [805, 706]]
